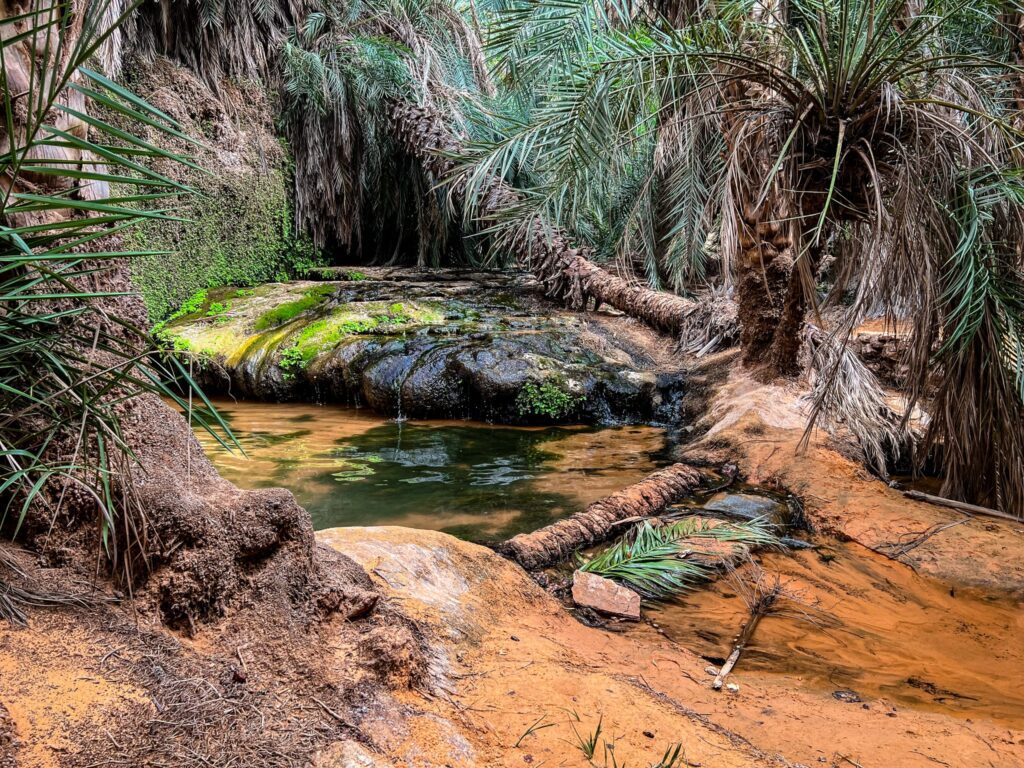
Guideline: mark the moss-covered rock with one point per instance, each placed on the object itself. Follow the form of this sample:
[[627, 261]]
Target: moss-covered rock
[[449, 348]]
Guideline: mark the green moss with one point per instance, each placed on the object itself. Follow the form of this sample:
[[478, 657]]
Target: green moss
[[237, 231], [282, 313], [327, 332], [291, 361], [193, 305], [548, 399]]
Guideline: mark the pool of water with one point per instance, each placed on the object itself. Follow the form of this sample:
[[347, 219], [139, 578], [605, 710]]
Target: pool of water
[[478, 481], [850, 620]]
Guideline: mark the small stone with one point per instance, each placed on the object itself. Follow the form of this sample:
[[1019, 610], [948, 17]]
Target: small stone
[[732, 688], [847, 696], [744, 505], [648, 734], [592, 591], [711, 671]]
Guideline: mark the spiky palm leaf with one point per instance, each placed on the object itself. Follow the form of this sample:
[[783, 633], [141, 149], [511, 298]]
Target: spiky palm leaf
[[68, 360], [652, 560]]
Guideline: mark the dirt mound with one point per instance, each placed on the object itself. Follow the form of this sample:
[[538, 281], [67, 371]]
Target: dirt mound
[[466, 663], [760, 426], [83, 685]]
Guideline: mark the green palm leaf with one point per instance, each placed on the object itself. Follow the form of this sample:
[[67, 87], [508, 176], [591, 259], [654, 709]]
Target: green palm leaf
[[657, 562]]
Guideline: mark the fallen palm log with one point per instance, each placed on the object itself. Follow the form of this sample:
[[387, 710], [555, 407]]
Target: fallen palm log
[[644, 499], [565, 270], [962, 506]]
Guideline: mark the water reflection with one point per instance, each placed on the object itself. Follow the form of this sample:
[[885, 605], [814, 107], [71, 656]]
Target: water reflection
[[477, 481]]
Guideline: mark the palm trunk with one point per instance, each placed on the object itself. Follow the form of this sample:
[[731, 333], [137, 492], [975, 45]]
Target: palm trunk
[[566, 272], [557, 542], [765, 270]]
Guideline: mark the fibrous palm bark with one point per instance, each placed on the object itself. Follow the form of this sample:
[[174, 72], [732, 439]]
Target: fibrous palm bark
[[566, 271], [647, 498]]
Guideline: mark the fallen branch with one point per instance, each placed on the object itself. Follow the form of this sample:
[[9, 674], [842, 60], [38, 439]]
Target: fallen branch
[[973, 509], [737, 649], [760, 603], [645, 499]]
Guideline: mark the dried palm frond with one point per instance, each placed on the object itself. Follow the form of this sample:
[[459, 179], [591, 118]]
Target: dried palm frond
[[334, 67], [845, 393]]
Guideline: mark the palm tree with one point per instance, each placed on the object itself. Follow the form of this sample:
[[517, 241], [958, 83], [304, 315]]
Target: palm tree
[[92, 464], [843, 145], [334, 57], [858, 140]]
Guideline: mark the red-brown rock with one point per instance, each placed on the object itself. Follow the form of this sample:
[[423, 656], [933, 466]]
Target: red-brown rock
[[605, 596]]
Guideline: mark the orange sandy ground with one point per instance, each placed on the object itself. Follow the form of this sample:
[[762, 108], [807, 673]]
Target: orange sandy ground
[[505, 655], [510, 655]]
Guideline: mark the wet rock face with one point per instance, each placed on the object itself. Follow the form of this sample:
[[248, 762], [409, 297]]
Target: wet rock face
[[407, 343]]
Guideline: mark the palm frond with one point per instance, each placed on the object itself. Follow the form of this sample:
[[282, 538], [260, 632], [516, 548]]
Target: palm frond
[[654, 561]]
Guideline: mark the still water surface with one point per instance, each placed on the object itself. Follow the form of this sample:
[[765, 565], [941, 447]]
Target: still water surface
[[478, 481], [853, 620]]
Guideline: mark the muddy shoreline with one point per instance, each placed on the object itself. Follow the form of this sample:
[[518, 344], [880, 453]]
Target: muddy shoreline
[[462, 651]]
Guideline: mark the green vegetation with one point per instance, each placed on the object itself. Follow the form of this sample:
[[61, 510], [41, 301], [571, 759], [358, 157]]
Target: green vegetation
[[672, 757], [648, 559], [588, 745], [291, 361], [283, 313], [326, 333], [548, 399], [238, 231], [58, 287]]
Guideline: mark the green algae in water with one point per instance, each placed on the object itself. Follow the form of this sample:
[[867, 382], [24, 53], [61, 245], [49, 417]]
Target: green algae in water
[[477, 481]]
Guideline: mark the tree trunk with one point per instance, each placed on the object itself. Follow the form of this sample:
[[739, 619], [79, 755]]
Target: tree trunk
[[567, 273], [770, 307], [765, 269], [558, 541]]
